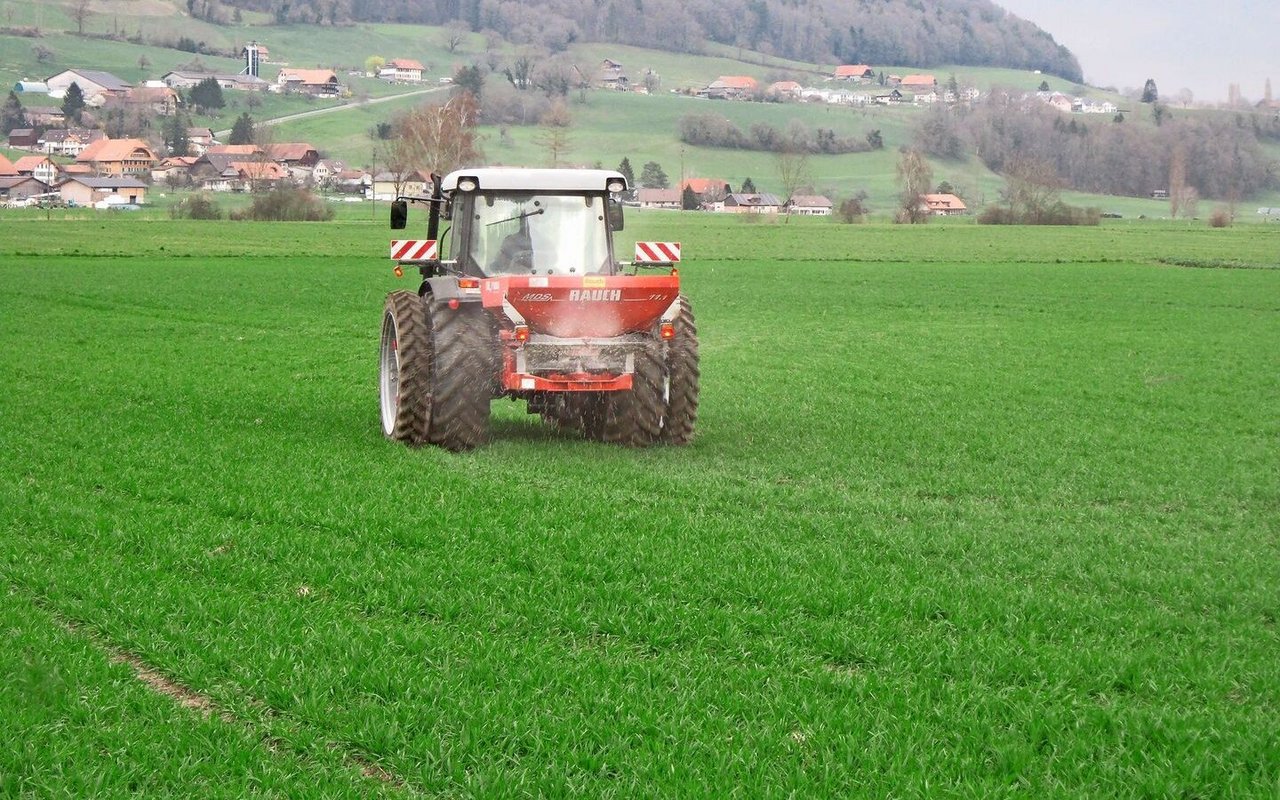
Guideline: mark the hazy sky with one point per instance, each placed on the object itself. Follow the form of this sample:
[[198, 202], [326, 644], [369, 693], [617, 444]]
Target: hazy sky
[[1202, 46]]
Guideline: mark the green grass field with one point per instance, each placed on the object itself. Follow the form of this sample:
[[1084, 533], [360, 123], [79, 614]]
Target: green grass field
[[971, 511]]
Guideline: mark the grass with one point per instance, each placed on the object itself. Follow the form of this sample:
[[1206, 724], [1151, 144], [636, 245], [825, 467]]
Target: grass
[[971, 511]]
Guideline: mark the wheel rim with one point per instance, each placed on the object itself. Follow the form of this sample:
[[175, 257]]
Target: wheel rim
[[389, 374]]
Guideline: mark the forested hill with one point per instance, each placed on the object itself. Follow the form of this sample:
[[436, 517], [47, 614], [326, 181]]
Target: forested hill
[[901, 32]]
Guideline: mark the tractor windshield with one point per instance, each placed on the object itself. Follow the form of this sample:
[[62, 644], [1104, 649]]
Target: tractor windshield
[[543, 234]]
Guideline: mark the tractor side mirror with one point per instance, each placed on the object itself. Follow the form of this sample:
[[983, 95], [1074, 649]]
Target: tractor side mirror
[[615, 214], [399, 214]]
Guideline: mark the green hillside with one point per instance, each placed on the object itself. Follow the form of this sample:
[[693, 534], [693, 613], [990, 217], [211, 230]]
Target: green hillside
[[607, 126]]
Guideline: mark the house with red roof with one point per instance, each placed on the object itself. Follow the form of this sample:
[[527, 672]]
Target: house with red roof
[[42, 168], [115, 157], [708, 190], [6, 166], [944, 205]]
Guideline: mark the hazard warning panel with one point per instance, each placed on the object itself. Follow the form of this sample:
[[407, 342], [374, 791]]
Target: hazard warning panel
[[657, 252], [414, 250]]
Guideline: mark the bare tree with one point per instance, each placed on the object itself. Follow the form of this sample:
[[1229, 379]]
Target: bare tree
[[554, 135], [440, 138], [915, 176], [1177, 178], [455, 33], [792, 164], [79, 13]]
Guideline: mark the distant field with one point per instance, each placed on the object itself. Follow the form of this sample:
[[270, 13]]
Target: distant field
[[971, 511]]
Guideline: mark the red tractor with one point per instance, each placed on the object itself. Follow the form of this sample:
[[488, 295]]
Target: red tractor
[[523, 297]]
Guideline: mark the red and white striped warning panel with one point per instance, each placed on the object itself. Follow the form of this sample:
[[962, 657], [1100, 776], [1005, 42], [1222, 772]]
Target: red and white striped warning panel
[[413, 249], [657, 252]]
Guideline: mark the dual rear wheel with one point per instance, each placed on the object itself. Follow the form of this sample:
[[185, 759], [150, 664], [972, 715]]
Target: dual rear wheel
[[436, 372]]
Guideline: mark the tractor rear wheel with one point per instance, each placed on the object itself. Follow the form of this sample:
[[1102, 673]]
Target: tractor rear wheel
[[680, 381], [463, 372], [632, 418], [404, 369]]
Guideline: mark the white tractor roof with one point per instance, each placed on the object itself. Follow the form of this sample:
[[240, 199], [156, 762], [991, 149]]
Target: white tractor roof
[[519, 179]]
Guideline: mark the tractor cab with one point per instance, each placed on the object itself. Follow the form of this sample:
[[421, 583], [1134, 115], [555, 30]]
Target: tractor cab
[[507, 221]]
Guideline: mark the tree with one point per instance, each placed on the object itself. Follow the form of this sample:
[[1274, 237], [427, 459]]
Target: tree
[[945, 188], [73, 103], [1044, 86], [438, 139], [689, 200], [748, 186], [853, 209], [1031, 190], [455, 33], [556, 140], [207, 95], [652, 176], [176, 137], [1182, 197], [1160, 113], [43, 55], [625, 168], [875, 139], [79, 13], [792, 165], [469, 79], [12, 114], [373, 65], [1149, 92], [242, 130], [915, 176]]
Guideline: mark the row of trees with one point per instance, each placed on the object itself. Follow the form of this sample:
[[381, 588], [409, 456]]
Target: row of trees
[[976, 32], [1221, 154], [714, 130]]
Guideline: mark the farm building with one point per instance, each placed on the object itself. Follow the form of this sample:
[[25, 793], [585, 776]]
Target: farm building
[[23, 138], [86, 191], [186, 80], [45, 116], [159, 99], [739, 203], [658, 198], [319, 82], [6, 166], [730, 87], [294, 154], [853, 72], [388, 185], [611, 76], [93, 83], [20, 187]]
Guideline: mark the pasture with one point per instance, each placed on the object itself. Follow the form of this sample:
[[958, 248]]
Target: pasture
[[971, 511]]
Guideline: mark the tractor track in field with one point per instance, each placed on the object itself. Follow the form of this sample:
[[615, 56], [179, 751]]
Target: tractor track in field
[[193, 700], [315, 112]]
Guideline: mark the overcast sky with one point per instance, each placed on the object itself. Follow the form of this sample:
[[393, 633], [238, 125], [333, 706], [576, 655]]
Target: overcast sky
[[1203, 46]]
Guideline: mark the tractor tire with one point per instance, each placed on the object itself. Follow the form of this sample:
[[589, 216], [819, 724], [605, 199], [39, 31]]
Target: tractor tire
[[632, 418], [680, 380], [404, 369], [463, 372]]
